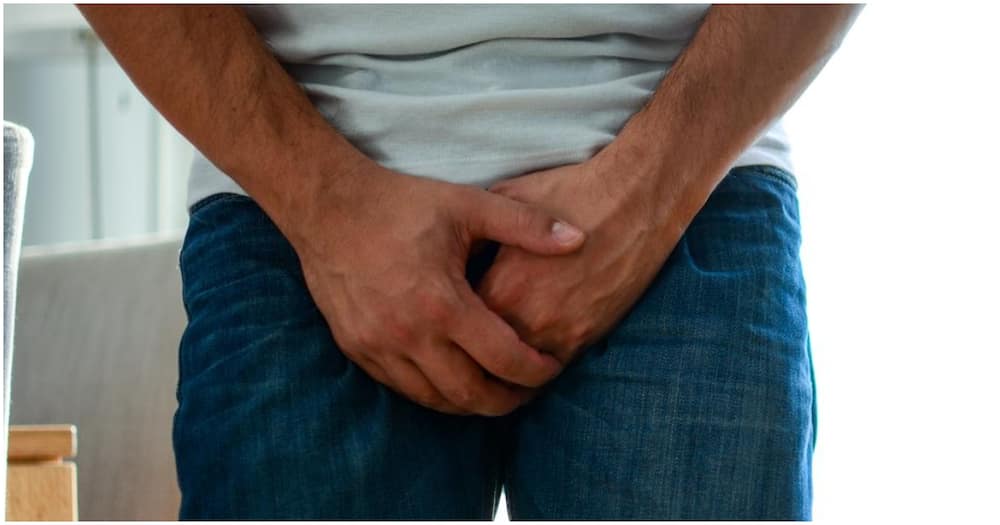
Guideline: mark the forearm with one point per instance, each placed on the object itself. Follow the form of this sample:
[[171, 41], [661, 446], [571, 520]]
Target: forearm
[[207, 71], [743, 69]]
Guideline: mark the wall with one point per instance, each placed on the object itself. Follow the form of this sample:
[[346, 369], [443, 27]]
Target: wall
[[106, 164]]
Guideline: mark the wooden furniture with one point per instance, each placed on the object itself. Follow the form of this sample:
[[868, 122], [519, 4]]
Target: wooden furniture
[[41, 484]]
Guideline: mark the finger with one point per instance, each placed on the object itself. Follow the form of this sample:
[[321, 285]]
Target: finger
[[495, 346], [465, 384], [406, 380], [412, 384], [507, 221]]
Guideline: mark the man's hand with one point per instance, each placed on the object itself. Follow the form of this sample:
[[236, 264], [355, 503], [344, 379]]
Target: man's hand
[[560, 304], [388, 275], [383, 253], [744, 67]]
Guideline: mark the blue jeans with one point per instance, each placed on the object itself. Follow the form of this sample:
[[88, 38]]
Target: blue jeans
[[699, 404]]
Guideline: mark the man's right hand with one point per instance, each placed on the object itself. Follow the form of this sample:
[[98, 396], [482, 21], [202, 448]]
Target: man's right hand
[[383, 253], [388, 274]]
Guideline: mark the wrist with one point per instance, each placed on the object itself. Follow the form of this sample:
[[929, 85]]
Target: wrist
[[671, 184], [302, 183]]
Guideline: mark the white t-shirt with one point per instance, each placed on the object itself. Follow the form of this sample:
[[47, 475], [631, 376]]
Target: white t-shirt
[[474, 94]]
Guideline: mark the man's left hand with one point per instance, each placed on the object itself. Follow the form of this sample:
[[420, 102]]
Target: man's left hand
[[560, 304]]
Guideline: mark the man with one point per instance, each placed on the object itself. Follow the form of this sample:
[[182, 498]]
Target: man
[[439, 250]]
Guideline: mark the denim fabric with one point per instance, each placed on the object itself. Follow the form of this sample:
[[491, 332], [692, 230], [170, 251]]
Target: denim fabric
[[700, 404]]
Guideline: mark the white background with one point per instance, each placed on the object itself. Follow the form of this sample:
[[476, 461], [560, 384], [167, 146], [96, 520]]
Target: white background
[[896, 146]]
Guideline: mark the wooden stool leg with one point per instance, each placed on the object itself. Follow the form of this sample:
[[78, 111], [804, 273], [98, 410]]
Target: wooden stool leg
[[41, 486], [41, 491]]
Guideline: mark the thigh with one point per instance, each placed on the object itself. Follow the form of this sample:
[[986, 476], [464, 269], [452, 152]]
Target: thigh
[[699, 404], [273, 422]]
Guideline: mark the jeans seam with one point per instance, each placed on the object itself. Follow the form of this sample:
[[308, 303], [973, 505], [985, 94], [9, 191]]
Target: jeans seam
[[214, 198], [768, 172]]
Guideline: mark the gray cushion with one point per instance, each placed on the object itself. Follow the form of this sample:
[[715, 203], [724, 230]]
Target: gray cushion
[[98, 329]]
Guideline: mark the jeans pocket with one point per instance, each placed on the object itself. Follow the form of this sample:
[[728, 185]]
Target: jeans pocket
[[749, 223], [216, 198], [768, 172]]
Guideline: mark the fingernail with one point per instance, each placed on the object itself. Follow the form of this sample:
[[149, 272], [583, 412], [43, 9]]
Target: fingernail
[[564, 233]]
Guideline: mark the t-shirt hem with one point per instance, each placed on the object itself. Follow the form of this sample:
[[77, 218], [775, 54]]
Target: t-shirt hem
[[219, 182]]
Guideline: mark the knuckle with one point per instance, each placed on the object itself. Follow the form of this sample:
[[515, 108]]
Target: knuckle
[[542, 320], [360, 341], [509, 291], [441, 315], [505, 365], [399, 328], [491, 288], [570, 340], [487, 291], [392, 333], [435, 306], [578, 335], [466, 395], [355, 356], [427, 398], [463, 399]]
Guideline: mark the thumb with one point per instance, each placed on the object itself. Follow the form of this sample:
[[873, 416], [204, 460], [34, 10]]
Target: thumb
[[514, 223]]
